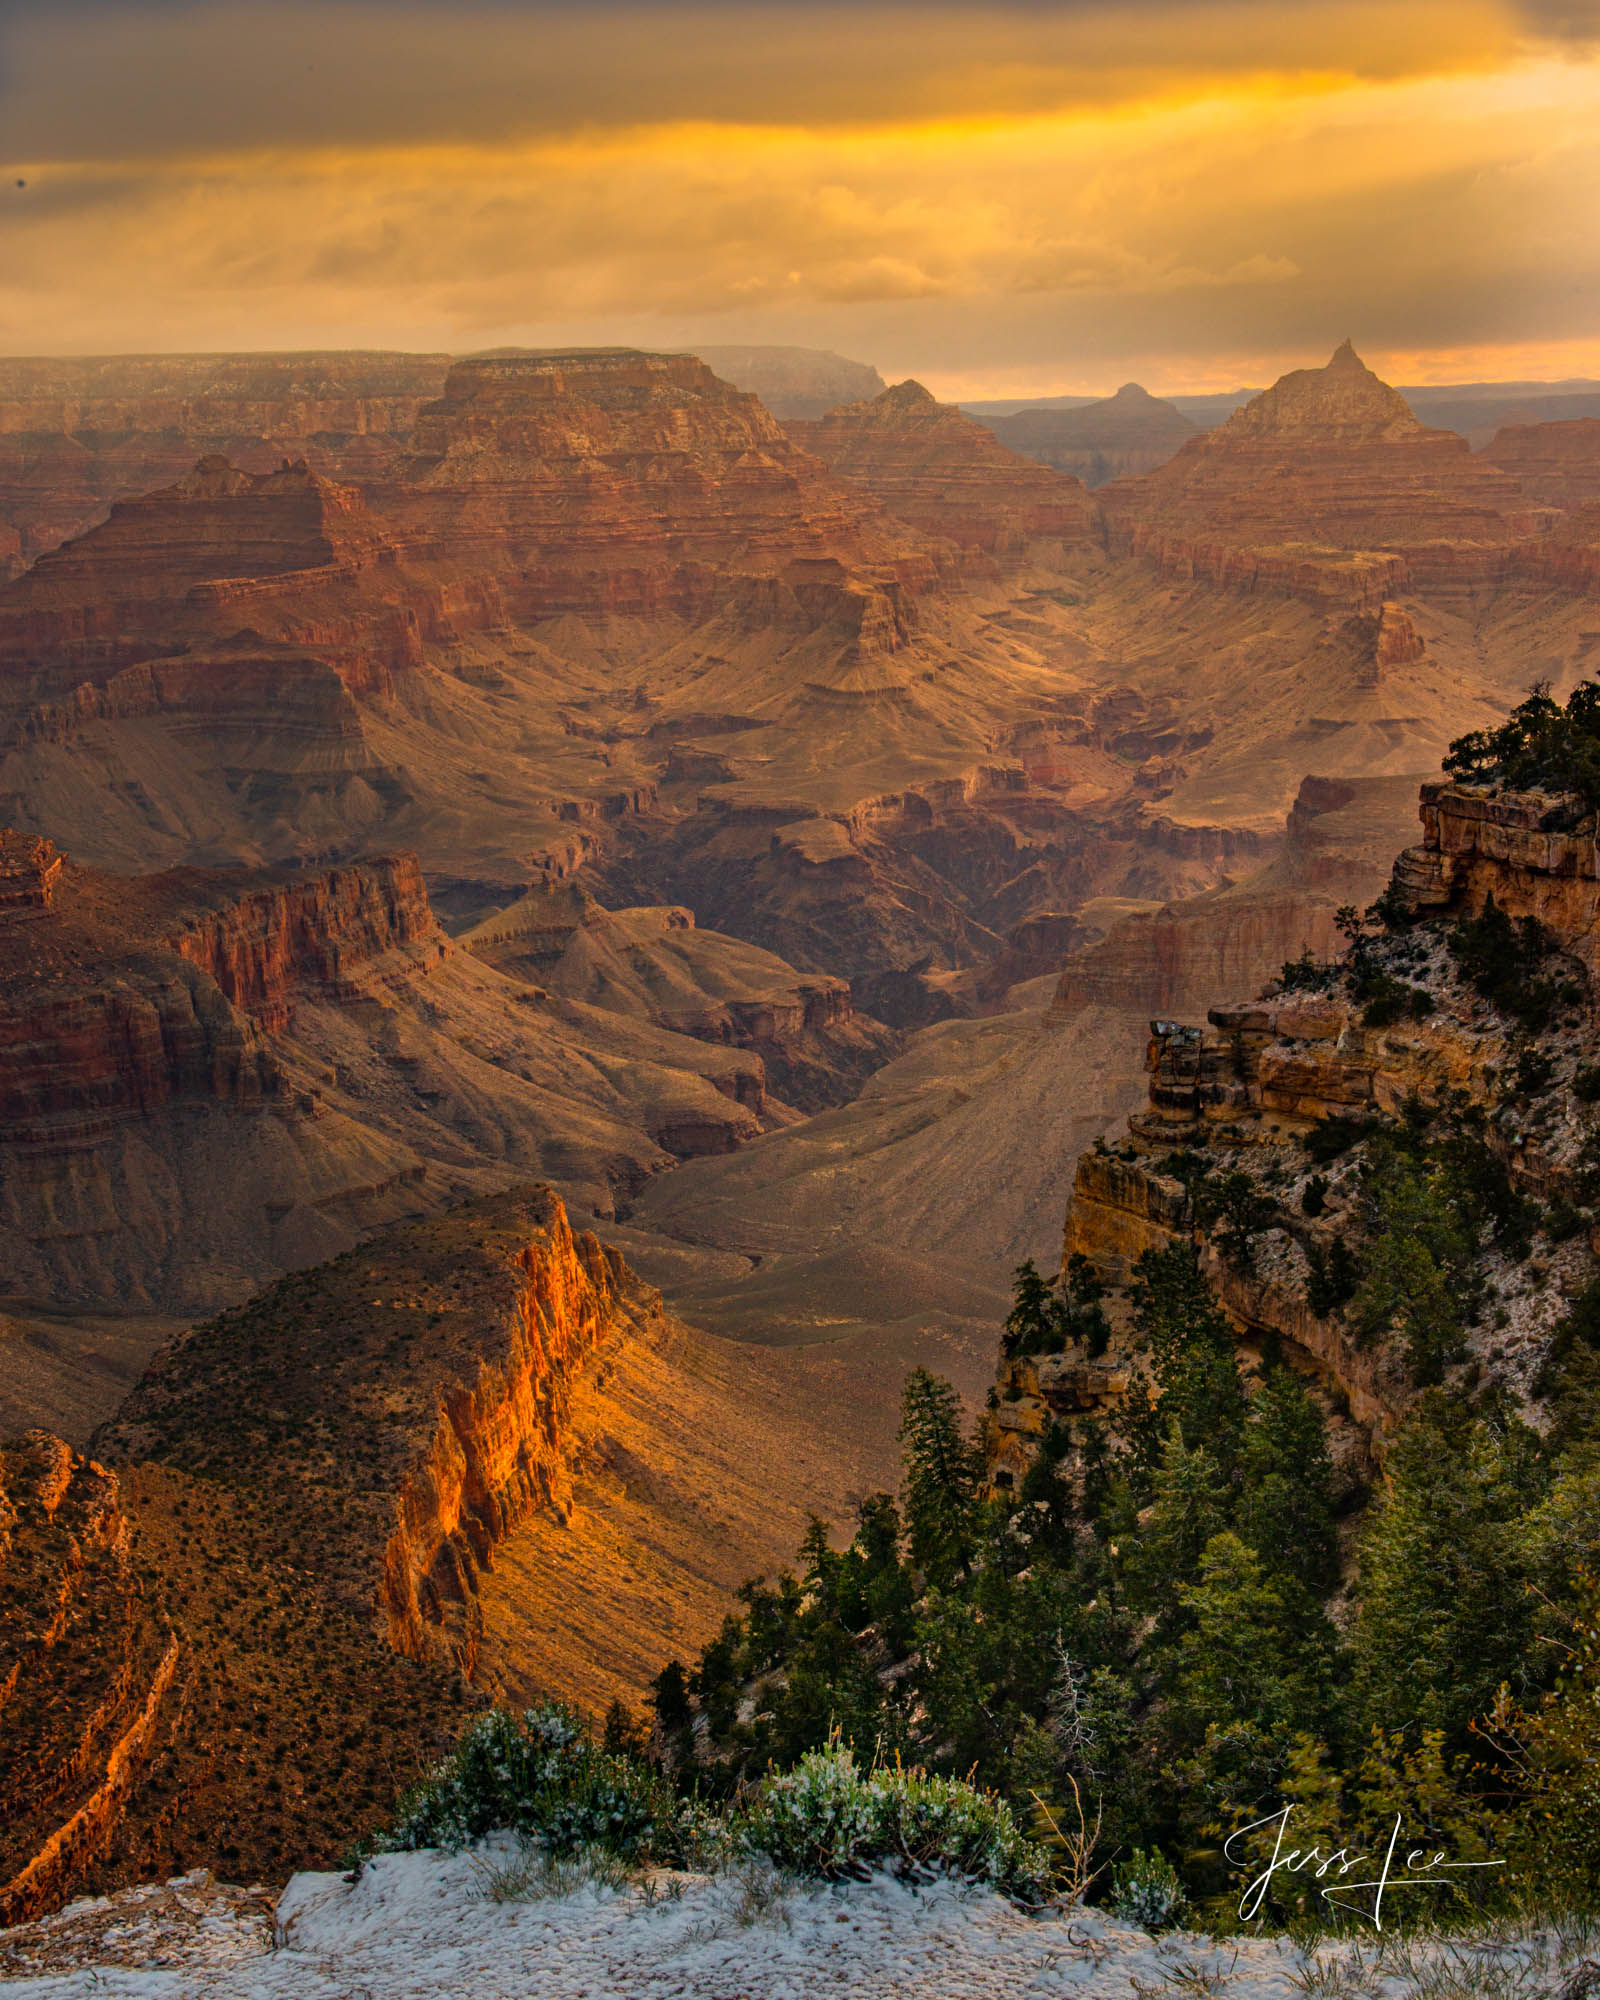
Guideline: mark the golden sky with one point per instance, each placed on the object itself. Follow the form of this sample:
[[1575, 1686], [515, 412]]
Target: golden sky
[[1001, 200]]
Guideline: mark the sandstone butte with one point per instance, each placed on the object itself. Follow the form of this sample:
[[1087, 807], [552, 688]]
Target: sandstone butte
[[1263, 1072], [76, 434], [616, 481], [1119, 437], [927, 463], [230, 1648], [1327, 484]]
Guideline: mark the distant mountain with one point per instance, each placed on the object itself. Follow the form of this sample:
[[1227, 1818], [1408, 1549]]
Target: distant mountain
[[794, 381], [1118, 438]]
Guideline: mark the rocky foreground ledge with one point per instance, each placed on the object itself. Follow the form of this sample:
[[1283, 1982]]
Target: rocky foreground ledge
[[422, 1925]]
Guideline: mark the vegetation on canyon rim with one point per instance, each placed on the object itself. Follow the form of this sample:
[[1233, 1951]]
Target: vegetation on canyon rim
[[1189, 1616]]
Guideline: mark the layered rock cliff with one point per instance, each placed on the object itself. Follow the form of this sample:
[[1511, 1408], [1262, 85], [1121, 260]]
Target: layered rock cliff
[[928, 464], [1326, 486], [1307, 1143], [1557, 463], [77, 434], [615, 481], [421, 1385], [231, 1649], [207, 1077]]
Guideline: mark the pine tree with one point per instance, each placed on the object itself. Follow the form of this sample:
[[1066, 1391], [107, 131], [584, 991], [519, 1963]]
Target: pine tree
[[1031, 1325], [669, 1696], [1189, 1507], [1286, 1508], [1445, 1613], [939, 1478]]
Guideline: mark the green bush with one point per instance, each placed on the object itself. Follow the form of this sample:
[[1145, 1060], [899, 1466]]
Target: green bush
[[1540, 745], [540, 1775], [1145, 1890], [829, 1818]]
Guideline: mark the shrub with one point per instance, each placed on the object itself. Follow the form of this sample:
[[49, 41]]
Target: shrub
[[828, 1818], [1145, 1890], [1540, 744], [539, 1774]]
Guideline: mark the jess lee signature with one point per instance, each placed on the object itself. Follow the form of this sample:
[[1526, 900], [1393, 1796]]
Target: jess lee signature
[[1425, 1867]]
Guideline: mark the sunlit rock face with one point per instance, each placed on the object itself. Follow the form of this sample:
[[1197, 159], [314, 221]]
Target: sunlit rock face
[[618, 481], [932, 466], [1326, 486], [79, 433]]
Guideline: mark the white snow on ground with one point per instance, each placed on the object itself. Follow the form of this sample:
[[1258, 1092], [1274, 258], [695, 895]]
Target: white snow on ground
[[422, 1926]]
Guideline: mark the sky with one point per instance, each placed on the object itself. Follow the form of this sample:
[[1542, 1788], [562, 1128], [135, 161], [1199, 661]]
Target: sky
[[1002, 200]]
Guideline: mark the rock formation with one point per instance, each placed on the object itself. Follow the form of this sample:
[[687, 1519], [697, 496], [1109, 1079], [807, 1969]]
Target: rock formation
[[1119, 437], [613, 481], [232, 1649], [207, 1077], [929, 465], [1308, 1073], [658, 965], [76, 434], [1326, 486], [1556, 463]]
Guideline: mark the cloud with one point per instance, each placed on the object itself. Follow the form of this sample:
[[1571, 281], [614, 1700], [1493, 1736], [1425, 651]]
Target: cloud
[[96, 80], [1065, 195]]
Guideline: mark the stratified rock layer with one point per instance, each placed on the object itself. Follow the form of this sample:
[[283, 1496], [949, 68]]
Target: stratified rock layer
[[1325, 486], [76, 434], [927, 464]]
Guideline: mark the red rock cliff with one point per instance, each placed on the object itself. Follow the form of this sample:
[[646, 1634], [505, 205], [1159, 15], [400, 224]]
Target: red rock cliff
[[928, 464]]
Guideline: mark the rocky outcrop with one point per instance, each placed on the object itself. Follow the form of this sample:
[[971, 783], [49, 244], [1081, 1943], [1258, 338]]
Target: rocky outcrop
[[1557, 463], [87, 1671], [658, 965], [1534, 852], [422, 1386], [1119, 437], [929, 465], [1234, 1097], [1326, 486], [77, 434], [608, 480], [1339, 837], [325, 933]]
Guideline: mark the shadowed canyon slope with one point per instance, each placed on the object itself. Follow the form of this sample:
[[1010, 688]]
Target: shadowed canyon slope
[[259, 1608], [207, 1077]]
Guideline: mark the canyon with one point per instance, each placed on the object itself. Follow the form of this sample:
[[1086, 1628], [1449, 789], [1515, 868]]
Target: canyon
[[1247, 1093], [457, 803]]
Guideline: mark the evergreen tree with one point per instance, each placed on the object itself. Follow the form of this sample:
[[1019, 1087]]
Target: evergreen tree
[[1191, 1344], [940, 1478], [669, 1696], [1445, 1614], [1286, 1507], [1032, 1325], [1190, 1505]]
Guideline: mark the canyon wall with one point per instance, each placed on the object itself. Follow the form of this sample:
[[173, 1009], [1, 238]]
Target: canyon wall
[[79, 433], [1253, 1102], [287, 1551], [929, 465]]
